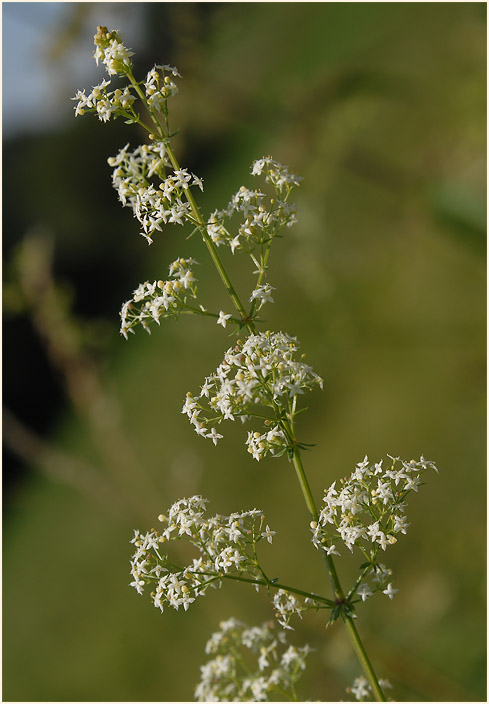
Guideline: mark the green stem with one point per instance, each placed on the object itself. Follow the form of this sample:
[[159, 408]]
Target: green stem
[[267, 583], [211, 247], [304, 484], [363, 659]]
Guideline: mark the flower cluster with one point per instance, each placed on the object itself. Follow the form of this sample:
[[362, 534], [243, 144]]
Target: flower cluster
[[374, 578], [277, 174], [152, 205], [261, 373], [262, 294], [160, 299], [367, 511], [250, 664], [159, 85], [263, 217], [104, 103], [287, 605], [116, 58], [226, 547], [362, 691]]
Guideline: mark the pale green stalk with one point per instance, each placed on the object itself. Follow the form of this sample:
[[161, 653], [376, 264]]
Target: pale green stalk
[[269, 584]]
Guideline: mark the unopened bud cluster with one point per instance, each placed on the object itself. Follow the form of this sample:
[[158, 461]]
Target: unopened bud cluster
[[256, 377], [160, 299], [250, 664], [226, 545], [111, 51]]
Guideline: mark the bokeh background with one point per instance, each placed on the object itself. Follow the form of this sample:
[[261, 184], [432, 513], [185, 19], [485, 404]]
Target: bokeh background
[[381, 107]]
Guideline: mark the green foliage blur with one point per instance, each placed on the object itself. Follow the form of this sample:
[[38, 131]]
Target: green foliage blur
[[381, 108]]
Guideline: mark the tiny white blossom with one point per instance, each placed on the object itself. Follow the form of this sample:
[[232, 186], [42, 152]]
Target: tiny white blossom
[[331, 550], [263, 294], [223, 318], [390, 591], [214, 435], [364, 591], [268, 534], [360, 689]]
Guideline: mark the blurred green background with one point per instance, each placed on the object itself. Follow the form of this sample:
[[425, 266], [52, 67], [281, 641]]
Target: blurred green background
[[381, 107]]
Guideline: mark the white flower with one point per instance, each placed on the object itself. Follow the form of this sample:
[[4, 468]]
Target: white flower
[[390, 591], [364, 591], [400, 524], [412, 483], [263, 662], [382, 540], [292, 657], [223, 318], [268, 534], [259, 688], [138, 584], [257, 167], [229, 557], [234, 244], [234, 532], [263, 294], [214, 435], [360, 689], [331, 550], [384, 491], [374, 530]]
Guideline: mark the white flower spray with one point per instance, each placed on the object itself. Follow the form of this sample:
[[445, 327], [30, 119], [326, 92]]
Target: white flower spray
[[262, 379], [250, 664]]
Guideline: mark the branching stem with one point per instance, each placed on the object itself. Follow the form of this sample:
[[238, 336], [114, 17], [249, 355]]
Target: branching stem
[[287, 425]]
